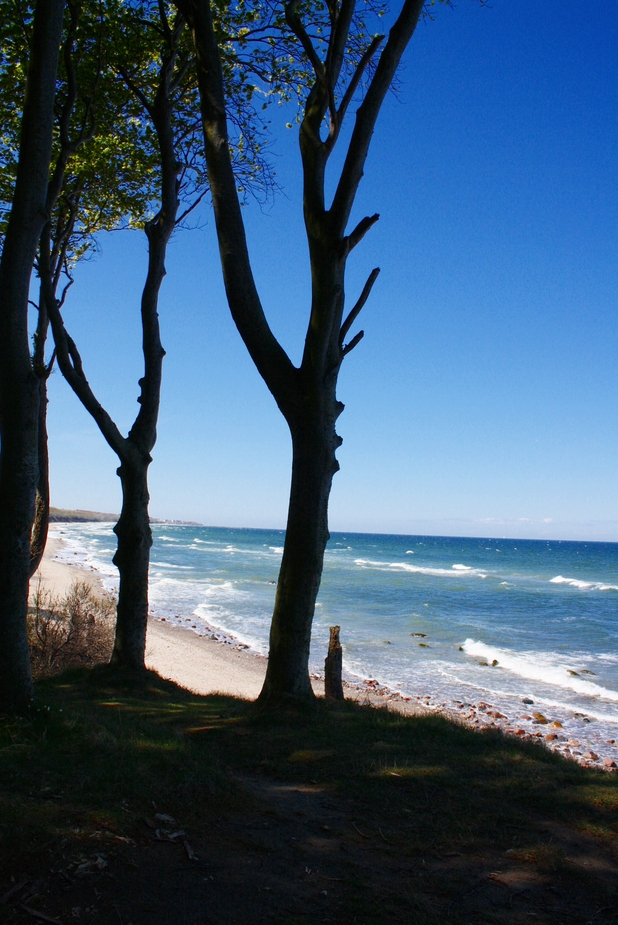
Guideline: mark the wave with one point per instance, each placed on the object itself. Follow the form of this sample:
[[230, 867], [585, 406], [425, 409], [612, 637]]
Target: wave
[[582, 585], [182, 568], [546, 667], [453, 572]]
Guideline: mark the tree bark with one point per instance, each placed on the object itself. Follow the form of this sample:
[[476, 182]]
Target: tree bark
[[40, 525], [313, 467], [333, 663], [19, 386], [132, 559]]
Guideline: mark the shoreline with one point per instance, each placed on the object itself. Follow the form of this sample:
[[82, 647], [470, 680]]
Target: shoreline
[[215, 663], [209, 664]]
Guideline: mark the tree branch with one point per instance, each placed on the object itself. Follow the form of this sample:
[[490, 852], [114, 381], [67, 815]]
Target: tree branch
[[135, 90], [271, 360], [338, 37], [66, 288], [367, 113], [294, 22], [69, 359], [347, 324], [360, 231], [70, 362], [357, 76], [355, 340], [190, 208], [50, 365], [69, 103]]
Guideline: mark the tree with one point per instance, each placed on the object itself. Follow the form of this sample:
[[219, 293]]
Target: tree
[[19, 393], [151, 55], [305, 395], [102, 172], [135, 63], [125, 132]]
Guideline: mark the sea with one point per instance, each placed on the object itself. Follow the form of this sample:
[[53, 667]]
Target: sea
[[526, 628]]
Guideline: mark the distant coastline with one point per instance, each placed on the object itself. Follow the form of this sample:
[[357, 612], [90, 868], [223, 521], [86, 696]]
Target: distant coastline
[[60, 515]]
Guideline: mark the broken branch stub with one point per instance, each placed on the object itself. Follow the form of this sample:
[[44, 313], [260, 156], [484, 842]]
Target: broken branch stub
[[333, 688]]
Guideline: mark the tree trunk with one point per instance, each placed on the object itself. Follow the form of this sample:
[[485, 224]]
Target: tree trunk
[[333, 664], [306, 396], [19, 386], [18, 479], [132, 559], [314, 443], [40, 526]]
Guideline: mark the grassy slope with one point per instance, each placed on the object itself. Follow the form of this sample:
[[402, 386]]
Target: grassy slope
[[345, 813]]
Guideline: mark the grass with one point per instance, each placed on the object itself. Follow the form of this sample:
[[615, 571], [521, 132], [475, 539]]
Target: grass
[[408, 812]]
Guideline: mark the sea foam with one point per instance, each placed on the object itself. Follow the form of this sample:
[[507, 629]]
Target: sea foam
[[454, 572], [582, 585], [546, 667]]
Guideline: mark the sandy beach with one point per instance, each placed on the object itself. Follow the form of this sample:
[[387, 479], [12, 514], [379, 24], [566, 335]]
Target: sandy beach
[[194, 662]]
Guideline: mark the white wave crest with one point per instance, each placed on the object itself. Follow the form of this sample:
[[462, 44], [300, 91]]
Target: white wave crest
[[547, 667], [222, 591], [454, 572], [582, 585], [182, 568]]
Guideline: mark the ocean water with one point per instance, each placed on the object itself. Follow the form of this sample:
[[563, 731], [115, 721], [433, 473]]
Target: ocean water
[[455, 621]]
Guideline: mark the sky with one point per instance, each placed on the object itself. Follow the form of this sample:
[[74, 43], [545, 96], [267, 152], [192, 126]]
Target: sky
[[482, 400]]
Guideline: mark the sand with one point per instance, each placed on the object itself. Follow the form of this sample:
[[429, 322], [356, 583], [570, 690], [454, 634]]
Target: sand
[[57, 576], [196, 663]]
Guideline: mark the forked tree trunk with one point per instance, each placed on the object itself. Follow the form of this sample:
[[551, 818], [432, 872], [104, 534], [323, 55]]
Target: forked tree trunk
[[19, 386], [306, 396], [132, 559]]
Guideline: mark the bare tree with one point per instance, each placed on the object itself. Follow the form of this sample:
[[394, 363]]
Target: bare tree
[[305, 395]]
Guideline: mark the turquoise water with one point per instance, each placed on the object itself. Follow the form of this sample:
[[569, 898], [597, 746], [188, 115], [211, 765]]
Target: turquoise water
[[545, 612]]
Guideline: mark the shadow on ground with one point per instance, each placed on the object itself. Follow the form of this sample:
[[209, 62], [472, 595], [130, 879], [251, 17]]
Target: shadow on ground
[[128, 802]]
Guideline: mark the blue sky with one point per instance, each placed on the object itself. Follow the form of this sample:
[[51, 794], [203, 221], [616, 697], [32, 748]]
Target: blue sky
[[483, 398]]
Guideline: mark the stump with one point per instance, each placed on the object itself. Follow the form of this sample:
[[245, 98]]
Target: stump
[[333, 688]]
